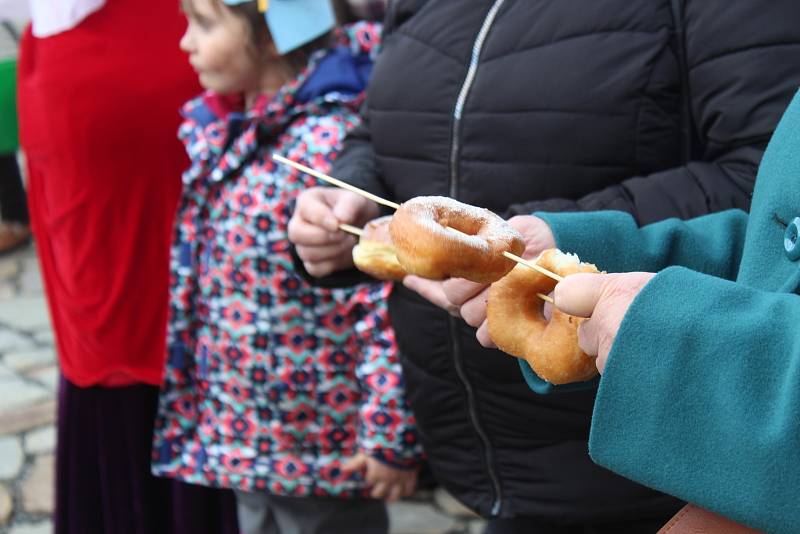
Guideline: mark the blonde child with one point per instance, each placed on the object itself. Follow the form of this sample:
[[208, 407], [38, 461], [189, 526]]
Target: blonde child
[[287, 393]]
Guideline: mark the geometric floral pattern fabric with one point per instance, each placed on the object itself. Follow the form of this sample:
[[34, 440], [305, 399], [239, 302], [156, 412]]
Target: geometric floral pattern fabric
[[270, 382]]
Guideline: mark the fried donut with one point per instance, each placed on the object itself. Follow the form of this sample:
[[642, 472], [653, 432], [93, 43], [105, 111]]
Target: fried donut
[[518, 327], [423, 234], [374, 254]]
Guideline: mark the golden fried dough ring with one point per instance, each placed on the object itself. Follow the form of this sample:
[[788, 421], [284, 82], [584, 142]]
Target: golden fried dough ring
[[426, 245], [375, 254], [518, 327]]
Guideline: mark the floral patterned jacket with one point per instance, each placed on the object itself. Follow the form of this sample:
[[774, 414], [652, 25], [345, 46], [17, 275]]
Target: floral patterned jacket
[[272, 383]]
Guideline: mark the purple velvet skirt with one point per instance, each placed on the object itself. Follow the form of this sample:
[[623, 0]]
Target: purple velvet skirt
[[103, 480]]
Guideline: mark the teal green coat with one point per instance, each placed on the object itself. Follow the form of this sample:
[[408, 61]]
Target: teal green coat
[[701, 393]]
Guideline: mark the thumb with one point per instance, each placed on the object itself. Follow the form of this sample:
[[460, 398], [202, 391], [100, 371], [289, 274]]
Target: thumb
[[355, 464], [578, 294]]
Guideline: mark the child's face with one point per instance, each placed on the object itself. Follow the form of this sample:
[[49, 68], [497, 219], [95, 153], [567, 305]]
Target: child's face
[[218, 44]]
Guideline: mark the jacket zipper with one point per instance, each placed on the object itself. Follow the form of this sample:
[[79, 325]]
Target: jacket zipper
[[477, 48]]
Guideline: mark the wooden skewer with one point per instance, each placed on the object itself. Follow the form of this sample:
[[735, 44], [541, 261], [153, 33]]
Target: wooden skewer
[[395, 205], [534, 266], [351, 229], [335, 181]]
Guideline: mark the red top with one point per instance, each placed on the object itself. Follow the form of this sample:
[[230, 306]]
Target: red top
[[98, 111]]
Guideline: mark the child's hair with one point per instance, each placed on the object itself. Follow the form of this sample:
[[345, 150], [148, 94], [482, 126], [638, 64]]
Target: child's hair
[[296, 60]]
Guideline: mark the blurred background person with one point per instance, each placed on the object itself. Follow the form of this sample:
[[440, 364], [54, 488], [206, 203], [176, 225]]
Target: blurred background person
[[14, 227], [99, 89]]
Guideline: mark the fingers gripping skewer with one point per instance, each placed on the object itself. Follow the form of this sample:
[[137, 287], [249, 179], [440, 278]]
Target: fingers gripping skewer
[[534, 266], [357, 231], [351, 229]]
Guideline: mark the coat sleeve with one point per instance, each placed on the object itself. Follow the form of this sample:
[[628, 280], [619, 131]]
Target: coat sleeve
[[742, 68], [387, 429], [613, 241], [712, 244], [700, 398]]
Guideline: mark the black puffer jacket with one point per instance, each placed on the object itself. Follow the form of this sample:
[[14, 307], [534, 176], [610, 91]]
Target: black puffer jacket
[[524, 105]]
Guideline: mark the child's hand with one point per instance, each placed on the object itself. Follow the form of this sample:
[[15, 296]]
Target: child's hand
[[387, 482]]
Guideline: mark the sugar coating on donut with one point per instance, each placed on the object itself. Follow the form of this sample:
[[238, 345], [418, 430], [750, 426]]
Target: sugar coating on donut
[[438, 237], [445, 216]]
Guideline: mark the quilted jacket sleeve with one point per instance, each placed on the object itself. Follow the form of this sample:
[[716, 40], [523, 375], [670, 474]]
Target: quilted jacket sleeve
[[743, 66], [357, 163]]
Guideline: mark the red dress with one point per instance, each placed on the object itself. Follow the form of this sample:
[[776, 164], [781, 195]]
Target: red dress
[[98, 109]]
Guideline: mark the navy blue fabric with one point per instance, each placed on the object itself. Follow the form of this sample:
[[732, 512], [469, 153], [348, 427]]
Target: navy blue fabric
[[340, 71]]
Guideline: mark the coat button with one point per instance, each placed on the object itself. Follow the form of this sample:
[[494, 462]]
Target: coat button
[[790, 239]]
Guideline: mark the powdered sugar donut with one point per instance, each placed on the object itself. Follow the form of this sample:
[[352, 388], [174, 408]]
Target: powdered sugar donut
[[423, 234]]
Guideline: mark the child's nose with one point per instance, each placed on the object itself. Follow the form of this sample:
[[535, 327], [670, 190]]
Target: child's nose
[[186, 42]]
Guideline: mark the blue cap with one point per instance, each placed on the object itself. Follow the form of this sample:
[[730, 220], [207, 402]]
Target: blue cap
[[293, 23]]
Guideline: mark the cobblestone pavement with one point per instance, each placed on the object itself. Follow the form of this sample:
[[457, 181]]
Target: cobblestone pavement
[[28, 381]]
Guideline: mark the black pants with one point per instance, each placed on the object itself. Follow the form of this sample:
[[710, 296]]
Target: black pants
[[13, 204], [103, 480], [524, 525]]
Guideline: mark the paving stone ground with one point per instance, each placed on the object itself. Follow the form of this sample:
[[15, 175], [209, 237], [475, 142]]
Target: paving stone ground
[[28, 381]]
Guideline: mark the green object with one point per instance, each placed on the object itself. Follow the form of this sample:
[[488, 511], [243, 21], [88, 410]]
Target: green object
[[701, 392], [8, 106]]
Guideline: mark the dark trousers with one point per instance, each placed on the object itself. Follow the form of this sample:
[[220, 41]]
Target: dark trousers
[[262, 513], [524, 525], [103, 480], [13, 203]]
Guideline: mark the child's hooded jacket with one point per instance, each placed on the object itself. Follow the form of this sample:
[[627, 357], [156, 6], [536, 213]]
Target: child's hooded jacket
[[271, 383]]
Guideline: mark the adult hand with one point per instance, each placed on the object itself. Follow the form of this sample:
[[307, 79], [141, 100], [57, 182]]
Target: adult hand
[[314, 227], [604, 299], [470, 298], [386, 482]]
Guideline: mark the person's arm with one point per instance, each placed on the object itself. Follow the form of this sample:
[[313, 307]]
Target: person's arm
[[357, 163], [700, 397], [612, 240], [743, 64]]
